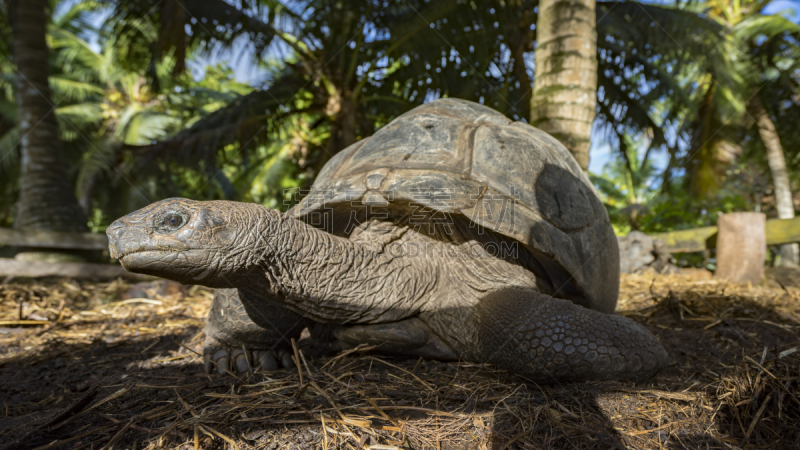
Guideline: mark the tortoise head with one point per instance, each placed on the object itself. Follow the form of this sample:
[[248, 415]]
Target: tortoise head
[[188, 241]]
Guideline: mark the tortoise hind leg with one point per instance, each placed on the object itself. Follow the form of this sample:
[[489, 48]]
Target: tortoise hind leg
[[548, 339], [235, 342], [409, 337]]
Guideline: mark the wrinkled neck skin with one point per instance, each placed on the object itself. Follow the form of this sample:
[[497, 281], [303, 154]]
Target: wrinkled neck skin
[[329, 278]]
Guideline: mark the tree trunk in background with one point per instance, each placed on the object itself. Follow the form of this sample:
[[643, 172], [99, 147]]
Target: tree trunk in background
[[780, 176], [565, 88], [46, 200]]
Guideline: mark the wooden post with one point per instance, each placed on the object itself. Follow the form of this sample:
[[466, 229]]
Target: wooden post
[[741, 247]]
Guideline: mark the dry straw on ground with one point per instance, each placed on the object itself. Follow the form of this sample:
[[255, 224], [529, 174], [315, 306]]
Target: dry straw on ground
[[82, 368]]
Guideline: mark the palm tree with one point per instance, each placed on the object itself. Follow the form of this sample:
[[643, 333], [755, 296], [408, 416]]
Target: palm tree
[[484, 54], [102, 108], [113, 108], [386, 58], [565, 88], [780, 176], [738, 98], [716, 95], [626, 184], [332, 87], [46, 197]]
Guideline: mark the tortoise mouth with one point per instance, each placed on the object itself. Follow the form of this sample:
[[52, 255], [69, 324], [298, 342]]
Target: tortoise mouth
[[139, 258], [134, 252], [125, 250]]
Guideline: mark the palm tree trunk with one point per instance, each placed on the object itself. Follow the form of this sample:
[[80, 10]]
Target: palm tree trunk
[[780, 176], [46, 200], [565, 88]]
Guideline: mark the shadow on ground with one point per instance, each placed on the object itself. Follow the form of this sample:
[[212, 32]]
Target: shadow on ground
[[127, 376]]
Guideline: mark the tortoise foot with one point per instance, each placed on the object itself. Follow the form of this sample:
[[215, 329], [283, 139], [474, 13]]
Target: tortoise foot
[[223, 359], [237, 344]]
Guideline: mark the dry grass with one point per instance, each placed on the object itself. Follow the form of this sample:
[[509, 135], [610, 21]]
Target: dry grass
[[81, 368]]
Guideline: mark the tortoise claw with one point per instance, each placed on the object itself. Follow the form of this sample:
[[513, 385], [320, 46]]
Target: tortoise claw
[[240, 361], [207, 366], [267, 361], [223, 359], [286, 359]]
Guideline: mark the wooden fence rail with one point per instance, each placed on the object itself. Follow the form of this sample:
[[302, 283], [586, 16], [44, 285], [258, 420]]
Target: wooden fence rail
[[35, 269], [53, 239], [779, 231], [50, 239]]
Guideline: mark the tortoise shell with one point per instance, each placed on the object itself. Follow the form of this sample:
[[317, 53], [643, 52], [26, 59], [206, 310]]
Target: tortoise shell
[[460, 157]]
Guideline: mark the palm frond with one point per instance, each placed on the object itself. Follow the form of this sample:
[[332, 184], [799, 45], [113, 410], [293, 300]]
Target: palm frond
[[474, 52], [99, 158], [663, 29], [9, 149], [218, 20], [79, 114], [6, 83], [145, 127], [66, 89], [250, 117], [609, 189], [149, 30], [767, 26], [5, 29], [73, 54], [77, 18], [75, 120]]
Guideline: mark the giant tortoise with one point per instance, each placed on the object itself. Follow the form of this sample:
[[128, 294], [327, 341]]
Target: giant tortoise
[[451, 233]]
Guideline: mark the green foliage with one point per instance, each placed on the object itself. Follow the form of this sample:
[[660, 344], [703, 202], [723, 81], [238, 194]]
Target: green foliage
[[717, 159], [138, 128], [756, 50], [102, 109], [681, 212], [631, 191], [673, 207], [626, 185], [386, 57]]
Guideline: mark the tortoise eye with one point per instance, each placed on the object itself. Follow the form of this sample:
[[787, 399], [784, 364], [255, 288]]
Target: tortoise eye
[[172, 221]]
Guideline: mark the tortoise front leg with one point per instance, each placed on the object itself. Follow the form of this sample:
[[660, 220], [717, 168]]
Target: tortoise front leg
[[237, 342], [546, 338]]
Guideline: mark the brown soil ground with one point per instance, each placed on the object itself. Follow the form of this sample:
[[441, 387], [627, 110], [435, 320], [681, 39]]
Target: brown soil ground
[[81, 368]]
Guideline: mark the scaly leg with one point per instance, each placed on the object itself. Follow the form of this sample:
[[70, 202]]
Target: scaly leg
[[548, 339], [408, 337], [237, 342]]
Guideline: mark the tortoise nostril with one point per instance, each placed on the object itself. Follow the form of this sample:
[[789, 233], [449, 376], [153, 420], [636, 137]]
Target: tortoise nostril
[[115, 231]]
